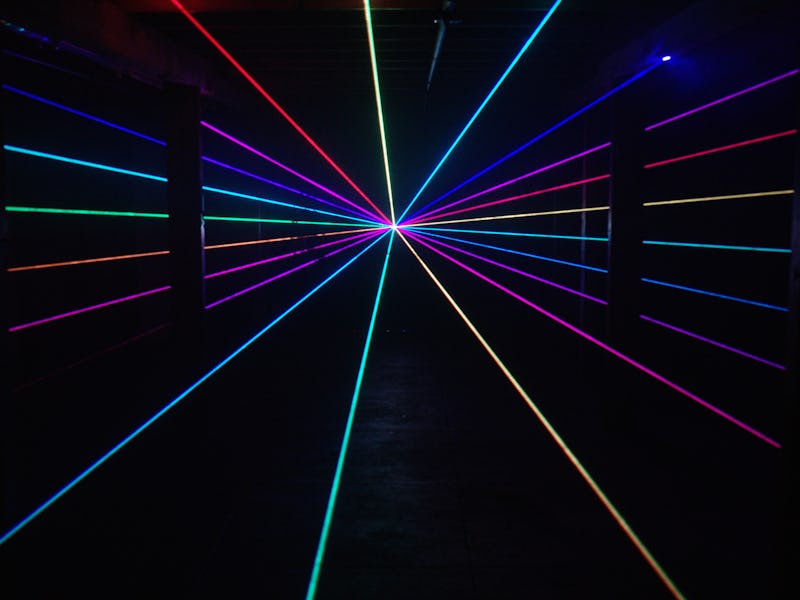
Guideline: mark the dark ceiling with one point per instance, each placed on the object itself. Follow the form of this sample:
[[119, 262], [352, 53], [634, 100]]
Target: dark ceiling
[[303, 45], [313, 58]]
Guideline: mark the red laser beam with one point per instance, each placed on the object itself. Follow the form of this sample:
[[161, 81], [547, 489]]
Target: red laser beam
[[275, 105], [757, 140]]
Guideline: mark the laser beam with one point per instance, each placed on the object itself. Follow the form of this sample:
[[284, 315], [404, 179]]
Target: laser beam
[[280, 165], [86, 261], [545, 213], [545, 133], [162, 143], [215, 190], [510, 182], [717, 198], [337, 477], [517, 252], [555, 188], [717, 246], [573, 459], [637, 365], [750, 142], [379, 104], [281, 275], [103, 167], [147, 215], [724, 99], [484, 103], [80, 311], [274, 104], [136, 432], [715, 294], [83, 163], [83, 115], [495, 263], [716, 343], [286, 255], [515, 234]]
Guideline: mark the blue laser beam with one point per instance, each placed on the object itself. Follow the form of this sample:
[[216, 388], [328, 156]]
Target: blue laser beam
[[136, 432], [715, 295], [517, 252], [527, 144], [83, 115], [337, 478], [484, 103]]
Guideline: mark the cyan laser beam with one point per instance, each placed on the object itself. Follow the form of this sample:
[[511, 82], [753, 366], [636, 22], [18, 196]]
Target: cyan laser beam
[[136, 432], [83, 163], [337, 477], [545, 133], [483, 104], [717, 246], [613, 351], [573, 459]]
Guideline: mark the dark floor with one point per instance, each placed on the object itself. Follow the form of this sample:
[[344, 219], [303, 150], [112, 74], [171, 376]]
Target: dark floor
[[451, 488]]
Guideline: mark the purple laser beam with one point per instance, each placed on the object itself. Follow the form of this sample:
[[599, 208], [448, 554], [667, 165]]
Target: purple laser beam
[[713, 342], [723, 99], [87, 309]]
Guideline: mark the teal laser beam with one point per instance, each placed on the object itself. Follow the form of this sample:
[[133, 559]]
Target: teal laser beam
[[337, 477]]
